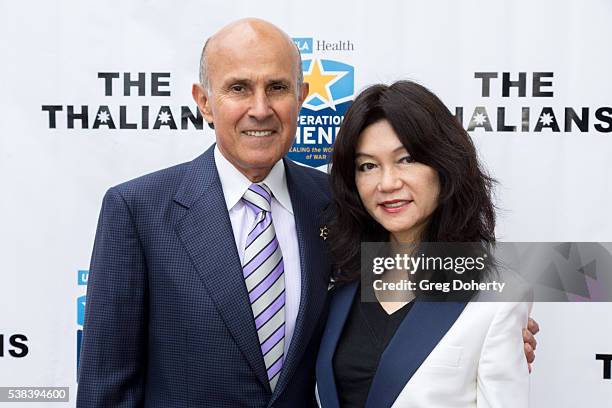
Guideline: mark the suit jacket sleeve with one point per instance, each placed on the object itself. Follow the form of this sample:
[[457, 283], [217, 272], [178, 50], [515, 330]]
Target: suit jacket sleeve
[[113, 357], [503, 375]]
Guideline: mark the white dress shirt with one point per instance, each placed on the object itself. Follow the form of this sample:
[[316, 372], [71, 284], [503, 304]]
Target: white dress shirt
[[234, 185]]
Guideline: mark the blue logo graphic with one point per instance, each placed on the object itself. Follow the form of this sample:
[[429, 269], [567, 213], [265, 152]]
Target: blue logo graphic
[[82, 276], [304, 44], [81, 310], [331, 91]]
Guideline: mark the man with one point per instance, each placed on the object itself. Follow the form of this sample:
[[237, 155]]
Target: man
[[208, 280]]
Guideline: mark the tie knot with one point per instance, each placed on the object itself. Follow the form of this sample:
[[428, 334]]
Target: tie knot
[[258, 198]]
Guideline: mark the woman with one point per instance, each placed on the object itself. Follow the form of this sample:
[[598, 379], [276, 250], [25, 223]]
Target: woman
[[405, 171]]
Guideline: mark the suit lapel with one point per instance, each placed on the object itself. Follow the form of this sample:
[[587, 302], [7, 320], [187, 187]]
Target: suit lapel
[[421, 330], [315, 268], [206, 233], [338, 312]]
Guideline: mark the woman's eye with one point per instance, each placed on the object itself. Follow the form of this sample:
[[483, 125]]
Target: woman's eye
[[406, 159], [366, 166]]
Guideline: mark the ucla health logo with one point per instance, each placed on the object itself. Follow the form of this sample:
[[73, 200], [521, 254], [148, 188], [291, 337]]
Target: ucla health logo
[[82, 276], [304, 44], [331, 91]]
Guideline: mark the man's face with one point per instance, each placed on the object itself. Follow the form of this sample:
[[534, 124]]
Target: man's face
[[253, 99]]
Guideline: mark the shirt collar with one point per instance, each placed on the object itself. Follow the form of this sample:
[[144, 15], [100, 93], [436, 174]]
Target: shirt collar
[[234, 183]]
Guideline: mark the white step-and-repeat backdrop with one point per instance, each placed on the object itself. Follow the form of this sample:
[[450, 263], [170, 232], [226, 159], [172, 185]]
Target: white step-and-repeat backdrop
[[96, 93]]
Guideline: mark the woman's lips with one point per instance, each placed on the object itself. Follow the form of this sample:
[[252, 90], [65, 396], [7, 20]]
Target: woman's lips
[[394, 206]]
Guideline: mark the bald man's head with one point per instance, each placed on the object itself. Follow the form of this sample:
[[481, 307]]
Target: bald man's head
[[251, 94], [254, 28]]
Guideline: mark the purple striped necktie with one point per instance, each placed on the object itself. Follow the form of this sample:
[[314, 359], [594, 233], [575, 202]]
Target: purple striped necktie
[[264, 275]]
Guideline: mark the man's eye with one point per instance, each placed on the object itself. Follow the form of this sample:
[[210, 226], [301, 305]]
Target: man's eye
[[406, 159], [366, 166], [278, 87], [237, 88]]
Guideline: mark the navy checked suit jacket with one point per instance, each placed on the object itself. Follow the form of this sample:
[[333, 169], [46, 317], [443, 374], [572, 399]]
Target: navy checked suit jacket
[[168, 322]]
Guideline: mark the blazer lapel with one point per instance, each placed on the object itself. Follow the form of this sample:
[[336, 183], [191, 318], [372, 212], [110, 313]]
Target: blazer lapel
[[422, 329], [206, 233], [315, 268], [339, 309]]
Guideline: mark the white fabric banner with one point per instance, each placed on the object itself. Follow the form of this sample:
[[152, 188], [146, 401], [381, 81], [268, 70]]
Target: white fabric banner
[[96, 93]]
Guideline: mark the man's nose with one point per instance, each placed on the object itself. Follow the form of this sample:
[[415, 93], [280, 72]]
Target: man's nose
[[260, 106], [390, 180]]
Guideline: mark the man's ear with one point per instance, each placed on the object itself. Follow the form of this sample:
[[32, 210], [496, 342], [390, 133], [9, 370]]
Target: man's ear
[[304, 92], [200, 96]]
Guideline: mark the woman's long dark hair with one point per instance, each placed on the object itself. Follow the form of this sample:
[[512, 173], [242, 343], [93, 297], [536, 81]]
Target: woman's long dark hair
[[432, 136]]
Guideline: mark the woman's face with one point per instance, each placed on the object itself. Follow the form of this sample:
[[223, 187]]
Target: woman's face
[[399, 193]]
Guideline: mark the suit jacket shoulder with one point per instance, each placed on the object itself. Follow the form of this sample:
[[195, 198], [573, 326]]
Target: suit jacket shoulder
[[160, 181], [157, 192], [314, 187], [313, 178]]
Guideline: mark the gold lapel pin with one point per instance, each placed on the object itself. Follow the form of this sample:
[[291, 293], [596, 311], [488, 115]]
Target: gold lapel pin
[[324, 232]]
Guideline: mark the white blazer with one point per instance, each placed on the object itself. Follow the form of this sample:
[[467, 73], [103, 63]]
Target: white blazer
[[444, 354]]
